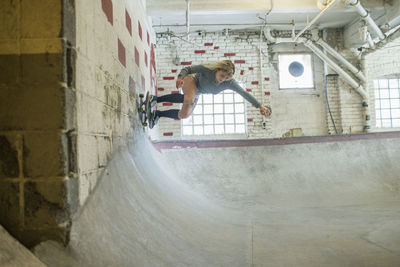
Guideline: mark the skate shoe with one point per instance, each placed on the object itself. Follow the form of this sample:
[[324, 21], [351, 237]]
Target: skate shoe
[[153, 119], [153, 101]]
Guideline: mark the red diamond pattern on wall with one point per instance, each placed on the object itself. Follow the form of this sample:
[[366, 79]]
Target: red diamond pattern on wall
[[107, 7], [128, 22]]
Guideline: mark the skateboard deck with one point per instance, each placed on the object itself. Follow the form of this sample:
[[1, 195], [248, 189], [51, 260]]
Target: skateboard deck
[[144, 109]]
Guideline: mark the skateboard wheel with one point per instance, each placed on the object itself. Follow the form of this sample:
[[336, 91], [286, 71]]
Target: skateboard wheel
[[141, 95]]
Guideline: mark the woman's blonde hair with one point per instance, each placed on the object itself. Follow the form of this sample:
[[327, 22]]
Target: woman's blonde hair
[[225, 65]]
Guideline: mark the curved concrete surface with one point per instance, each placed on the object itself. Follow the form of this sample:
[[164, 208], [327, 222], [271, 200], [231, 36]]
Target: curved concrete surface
[[314, 204], [13, 254]]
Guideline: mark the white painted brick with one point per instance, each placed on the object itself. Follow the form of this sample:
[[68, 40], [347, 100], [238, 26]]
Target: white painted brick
[[345, 102]]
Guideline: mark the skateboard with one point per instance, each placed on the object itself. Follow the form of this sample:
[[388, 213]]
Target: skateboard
[[144, 109]]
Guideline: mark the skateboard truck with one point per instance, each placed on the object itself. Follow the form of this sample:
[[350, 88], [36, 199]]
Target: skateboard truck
[[144, 109]]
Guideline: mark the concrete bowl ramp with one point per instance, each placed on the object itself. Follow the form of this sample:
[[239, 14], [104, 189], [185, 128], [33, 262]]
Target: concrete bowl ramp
[[311, 204], [13, 254]]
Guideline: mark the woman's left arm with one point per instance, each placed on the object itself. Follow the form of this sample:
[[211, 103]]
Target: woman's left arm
[[234, 86]]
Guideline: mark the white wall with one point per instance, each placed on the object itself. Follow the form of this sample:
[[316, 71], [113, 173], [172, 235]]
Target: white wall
[[381, 63], [109, 76], [303, 109]]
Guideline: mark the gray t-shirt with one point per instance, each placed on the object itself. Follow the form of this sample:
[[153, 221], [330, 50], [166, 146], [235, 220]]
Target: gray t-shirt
[[206, 83]]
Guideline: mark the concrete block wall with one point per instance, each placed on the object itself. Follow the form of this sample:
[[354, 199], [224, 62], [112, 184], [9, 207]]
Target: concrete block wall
[[70, 71], [345, 103], [384, 62], [37, 193], [292, 109], [114, 64]]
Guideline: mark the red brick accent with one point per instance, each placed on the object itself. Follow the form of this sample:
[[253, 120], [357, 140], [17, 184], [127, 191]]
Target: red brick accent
[[128, 22], [168, 78], [145, 59], [208, 44], [167, 104], [121, 53], [248, 90], [174, 92], [229, 54], [160, 89], [249, 120], [216, 47], [148, 38], [267, 79], [254, 82], [140, 30], [241, 72], [186, 63], [199, 51], [168, 134], [137, 58], [173, 71], [267, 93], [143, 84], [251, 68], [107, 7], [239, 61]]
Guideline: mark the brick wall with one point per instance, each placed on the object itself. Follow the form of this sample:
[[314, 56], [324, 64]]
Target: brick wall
[[291, 109], [381, 63], [345, 103], [334, 104], [114, 64]]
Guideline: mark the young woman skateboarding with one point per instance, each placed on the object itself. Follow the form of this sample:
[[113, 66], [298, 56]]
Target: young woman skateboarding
[[201, 79]]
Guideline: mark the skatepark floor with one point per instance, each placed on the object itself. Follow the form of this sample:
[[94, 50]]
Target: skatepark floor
[[309, 204]]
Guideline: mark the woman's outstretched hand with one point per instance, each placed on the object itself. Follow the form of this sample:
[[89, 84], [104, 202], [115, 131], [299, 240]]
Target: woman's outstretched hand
[[265, 111], [179, 83]]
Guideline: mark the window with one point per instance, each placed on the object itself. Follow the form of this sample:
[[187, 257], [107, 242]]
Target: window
[[387, 103], [224, 113], [295, 71]]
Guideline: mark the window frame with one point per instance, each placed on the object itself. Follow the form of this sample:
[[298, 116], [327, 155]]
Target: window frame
[[312, 71], [378, 102], [203, 113]]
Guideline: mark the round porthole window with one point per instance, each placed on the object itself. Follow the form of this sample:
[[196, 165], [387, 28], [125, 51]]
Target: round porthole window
[[296, 69]]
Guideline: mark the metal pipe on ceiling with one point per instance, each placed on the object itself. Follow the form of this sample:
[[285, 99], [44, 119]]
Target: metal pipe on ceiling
[[315, 19], [227, 25], [344, 75], [188, 19], [308, 43], [366, 16], [371, 42], [341, 58], [393, 23]]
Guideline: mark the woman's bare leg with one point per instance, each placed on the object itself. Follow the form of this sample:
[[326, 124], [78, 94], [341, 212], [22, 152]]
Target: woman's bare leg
[[189, 90]]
